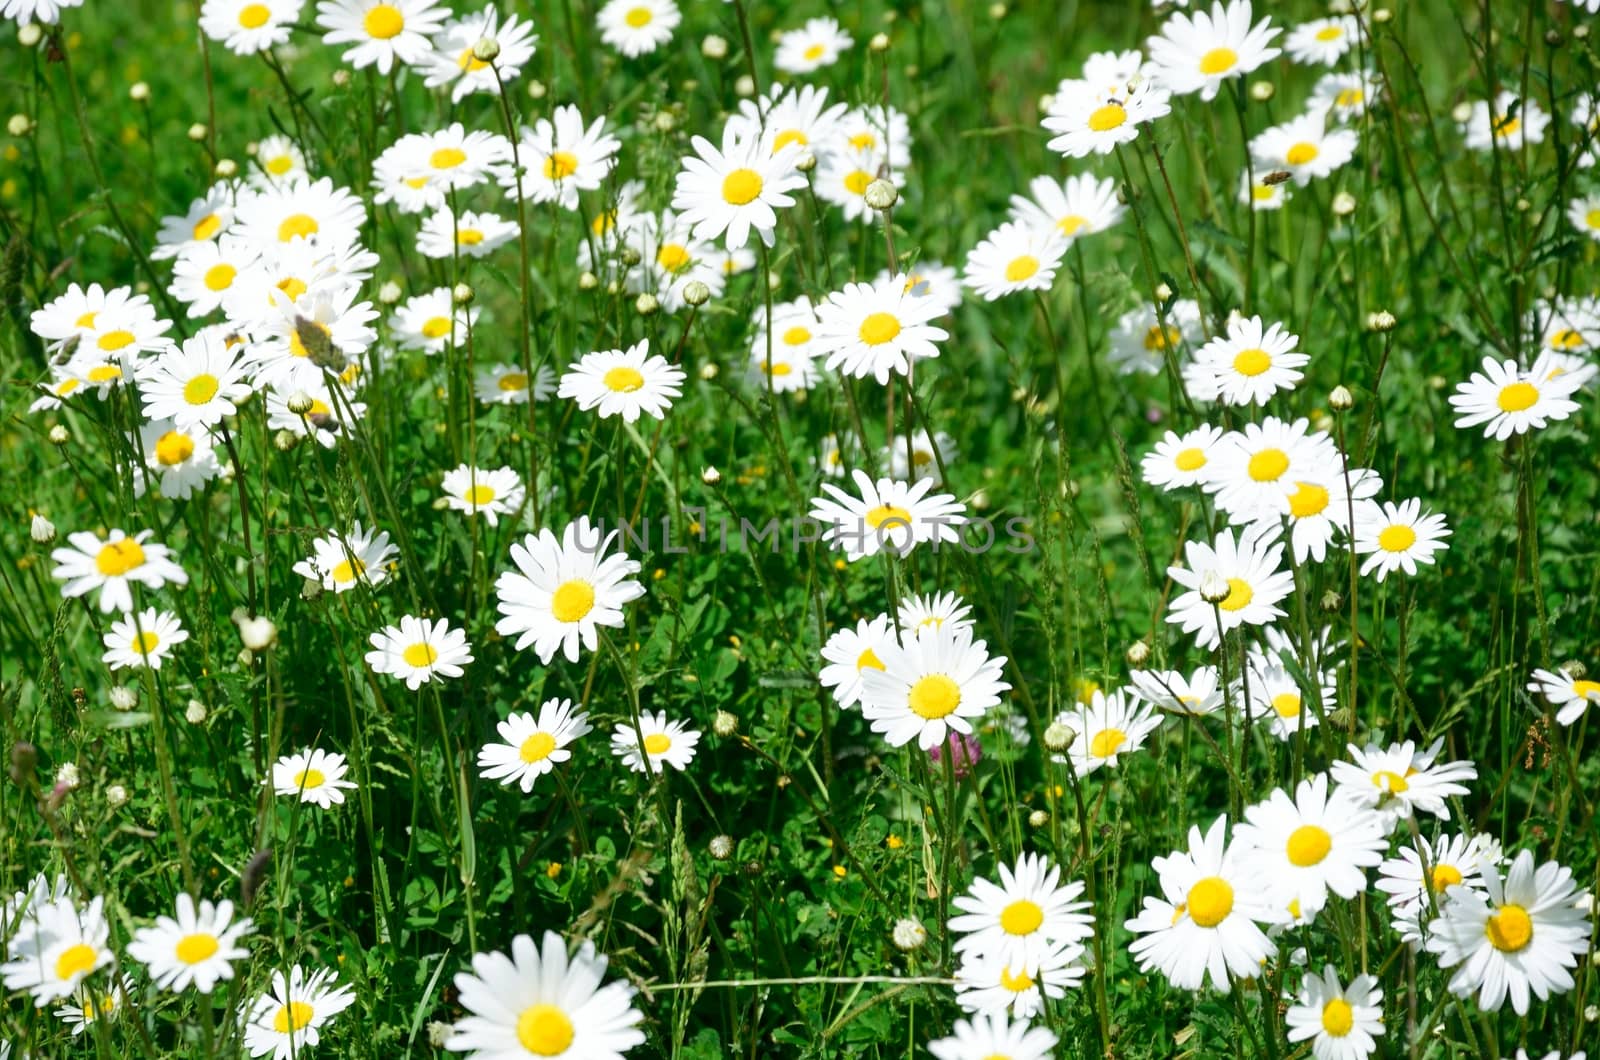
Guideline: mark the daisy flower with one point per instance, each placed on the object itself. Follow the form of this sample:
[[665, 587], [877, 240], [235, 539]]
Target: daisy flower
[[794, 115], [418, 650], [1507, 400], [530, 747], [1319, 506], [1312, 844], [1088, 119], [182, 461], [1525, 933], [843, 177], [637, 27], [1424, 869], [315, 210], [28, 11], [788, 368], [1304, 148], [1256, 193], [205, 219], [1141, 339], [480, 491], [888, 514], [564, 589], [508, 384], [623, 383], [1181, 460], [666, 743], [1510, 124], [671, 258], [851, 652], [918, 460], [381, 32], [1105, 727], [432, 321], [818, 43], [560, 157], [1245, 571], [994, 1035], [1343, 1023], [287, 1020], [830, 457], [1079, 206], [987, 985], [1397, 537], [196, 948], [246, 27], [197, 385], [1014, 257], [1021, 918], [76, 312], [1277, 700], [89, 1005], [453, 158], [343, 561], [314, 776], [546, 1004], [737, 188], [1205, 922], [1247, 365], [933, 682], [203, 274], [1256, 469], [1344, 96], [278, 160], [1196, 695], [885, 132], [321, 422], [143, 641], [320, 330], [1398, 781], [1196, 53], [472, 235], [56, 948], [1570, 693], [109, 565], [877, 328], [1322, 42], [942, 609], [452, 62]]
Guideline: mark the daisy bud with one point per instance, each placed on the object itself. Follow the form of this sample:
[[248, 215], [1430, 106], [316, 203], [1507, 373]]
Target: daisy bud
[[979, 500], [1262, 91], [1213, 587], [714, 47], [1340, 399], [1382, 320], [124, 697], [908, 934], [1038, 818], [878, 43], [587, 281], [1344, 204], [696, 293], [710, 476], [744, 86], [30, 34], [462, 294], [41, 529], [59, 435], [997, 11], [1138, 653], [227, 168], [725, 724], [1383, 14], [195, 713], [1047, 102], [663, 121], [721, 847], [1057, 737], [1591, 1013], [440, 1033], [1163, 293], [646, 304], [258, 633], [1339, 7], [881, 195], [19, 125], [116, 796], [1580, 32], [390, 293], [197, 131], [630, 256], [708, 371], [613, 287], [67, 775], [341, 78], [284, 441], [486, 50], [139, 92], [1554, 39], [1523, 205], [1331, 602], [1462, 113], [536, 89], [805, 162]]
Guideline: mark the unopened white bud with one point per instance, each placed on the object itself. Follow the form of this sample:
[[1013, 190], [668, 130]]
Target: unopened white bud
[[663, 121], [696, 293], [30, 34], [1213, 587], [227, 168], [587, 281], [721, 847], [1462, 113], [340, 78], [462, 294], [67, 775], [997, 11], [725, 724], [116, 796], [139, 92], [1382, 320], [19, 125], [646, 304], [708, 371], [908, 934], [1344, 204], [486, 50], [59, 435], [195, 712], [710, 476], [41, 529], [744, 86], [390, 293], [300, 403], [1163, 293], [1058, 737], [440, 1033], [1138, 653], [197, 131], [124, 697], [881, 195], [878, 43], [714, 47], [1038, 818], [283, 441], [536, 89], [259, 633], [1261, 91], [1340, 399]]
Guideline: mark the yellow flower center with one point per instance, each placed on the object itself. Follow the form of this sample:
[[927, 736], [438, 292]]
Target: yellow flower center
[[308, 779], [1585, 689], [572, 600], [1329, 33], [1107, 117], [1159, 338], [254, 16], [1397, 538], [219, 277], [674, 257], [112, 341], [1286, 704], [294, 1016], [787, 137], [1021, 268], [1507, 126], [512, 381], [1307, 500], [435, 327], [1016, 983], [934, 696], [1022, 917], [1252, 362], [75, 960], [879, 328], [348, 570], [1510, 929], [1210, 900], [1106, 742], [624, 380], [536, 748], [657, 743], [1517, 397], [779, 369], [888, 514], [796, 336], [85, 321], [192, 949], [1268, 465], [447, 158], [144, 643], [1189, 460], [117, 558], [104, 373], [741, 186], [1337, 1018], [419, 655], [868, 658], [297, 226], [856, 181], [814, 53], [638, 17], [1394, 783], [292, 286], [478, 495], [468, 237], [1239, 595], [1308, 845], [560, 165], [201, 389], [1444, 876], [1071, 224], [173, 448], [1218, 61], [280, 164], [1592, 218], [1350, 97], [207, 226], [384, 22]]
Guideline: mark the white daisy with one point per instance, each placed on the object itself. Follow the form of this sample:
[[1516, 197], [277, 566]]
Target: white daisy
[[666, 743], [795, 115], [888, 515], [1103, 728], [850, 652], [736, 188], [278, 160], [1397, 537], [181, 461], [984, 1037], [1023, 916], [933, 682], [481, 491], [430, 322], [1571, 693], [1343, 1023], [1416, 881], [418, 651], [143, 641], [109, 565], [1196, 53], [90, 1004], [941, 609], [530, 747], [1015, 257], [327, 420], [1198, 694], [560, 157], [818, 43], [452, 61], [564, 589], [878, 328], [246, 27], [508, 384], [1398, 781], [1304, 147], [287, 1020], [1256, 470], [196, 386], [1143, 337], [340, 562], [1247, 365], [637, 27], [198, 947], [1507, 400], [204, 273], [1263, 191], [917, 459], [56, 947], [381, 32], [1323, 41], [1088, 118], [1079, 206], [316, 210], [1320, 506], [471, 235], [1311, 845], [1344, 97], [844, 175], [314, 776], [1277, 700], [623, 383], [986, 984], [1509, 124], [205, 219], [1181, 460], [1245, 571]]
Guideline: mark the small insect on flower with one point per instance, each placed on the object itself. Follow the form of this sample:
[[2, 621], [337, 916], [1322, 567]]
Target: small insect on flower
[[532, 746], [288, 1019], [419, 650], [110, 565], [145, 640], [198, 947], [668, 743], [313, 775]]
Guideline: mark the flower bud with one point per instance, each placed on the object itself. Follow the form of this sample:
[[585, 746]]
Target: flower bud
[[587, 281], [67, 775], [879, 43], [1163, 292], [195, 713], [124, 697], [744, 86], [139, 92], [19, 125], [710, 476], [1138, 653], [881, 195], [708, 371], [30, 34], [462, 294], [340, 78], [440, 1033], [630, 256], [1340, 399], [1344, 204], [1213, 587], [1038, 818], [1331, 601], [226, 168], [283, 441], [805, 161], [1058, 737], [714, 47], [725, 724], [486, 50], [908, 934], [259, 633], [1574, 669], [646, 304], [696, 293], [42, 530], [1261, 91], [1382, 15], [721, 847], [663, 121], [390, 293], [198, 131], [1382, 320], [1461, 113], [116, 796]]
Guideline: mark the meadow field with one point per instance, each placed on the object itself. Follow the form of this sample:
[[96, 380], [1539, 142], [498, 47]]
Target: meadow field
[[889, 528]]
